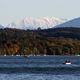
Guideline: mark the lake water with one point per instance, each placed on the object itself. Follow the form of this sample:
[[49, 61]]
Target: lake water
[[39, 68]]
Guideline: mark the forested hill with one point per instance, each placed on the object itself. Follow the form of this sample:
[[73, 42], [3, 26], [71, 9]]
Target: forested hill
[[66, 32], [57, 41]]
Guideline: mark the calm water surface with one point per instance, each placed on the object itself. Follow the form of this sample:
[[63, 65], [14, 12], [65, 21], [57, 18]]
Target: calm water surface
[[39, 68]]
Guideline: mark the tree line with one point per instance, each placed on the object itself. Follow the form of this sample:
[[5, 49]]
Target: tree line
[[26, 42]]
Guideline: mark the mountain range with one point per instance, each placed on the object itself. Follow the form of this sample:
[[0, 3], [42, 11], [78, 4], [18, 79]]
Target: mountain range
[[35, 23], [62, 39], [43, 23]]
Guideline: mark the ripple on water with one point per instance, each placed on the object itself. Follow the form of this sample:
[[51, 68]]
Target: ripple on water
[[38, 77]]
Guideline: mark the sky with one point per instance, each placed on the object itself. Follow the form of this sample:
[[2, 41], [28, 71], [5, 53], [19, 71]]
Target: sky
[[12, 10]]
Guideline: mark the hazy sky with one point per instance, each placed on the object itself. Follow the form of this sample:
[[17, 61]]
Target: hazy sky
[[11, 10]]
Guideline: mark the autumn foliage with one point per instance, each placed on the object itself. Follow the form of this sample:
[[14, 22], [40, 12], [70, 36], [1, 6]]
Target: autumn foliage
[[39, 42]]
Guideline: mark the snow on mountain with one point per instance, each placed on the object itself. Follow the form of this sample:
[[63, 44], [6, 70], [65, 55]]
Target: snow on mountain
[[35, 23], [1, 27], [71, 23]]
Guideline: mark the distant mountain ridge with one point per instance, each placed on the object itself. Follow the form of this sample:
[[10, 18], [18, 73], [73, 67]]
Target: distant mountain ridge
[[1, 27], [71, 23], [43, 23], [35, 23]]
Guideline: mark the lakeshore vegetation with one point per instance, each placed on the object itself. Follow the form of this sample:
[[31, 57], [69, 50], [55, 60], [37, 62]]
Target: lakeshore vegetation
[[57, 41]]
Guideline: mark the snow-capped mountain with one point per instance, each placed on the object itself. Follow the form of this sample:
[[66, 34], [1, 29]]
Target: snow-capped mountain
[[71, 23], [35, 23], [1, 27]]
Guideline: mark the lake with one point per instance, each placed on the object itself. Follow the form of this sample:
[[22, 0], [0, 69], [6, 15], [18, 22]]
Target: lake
[[39, 68]]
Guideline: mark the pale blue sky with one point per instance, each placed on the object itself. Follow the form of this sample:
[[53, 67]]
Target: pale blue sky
[[11, 10]]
